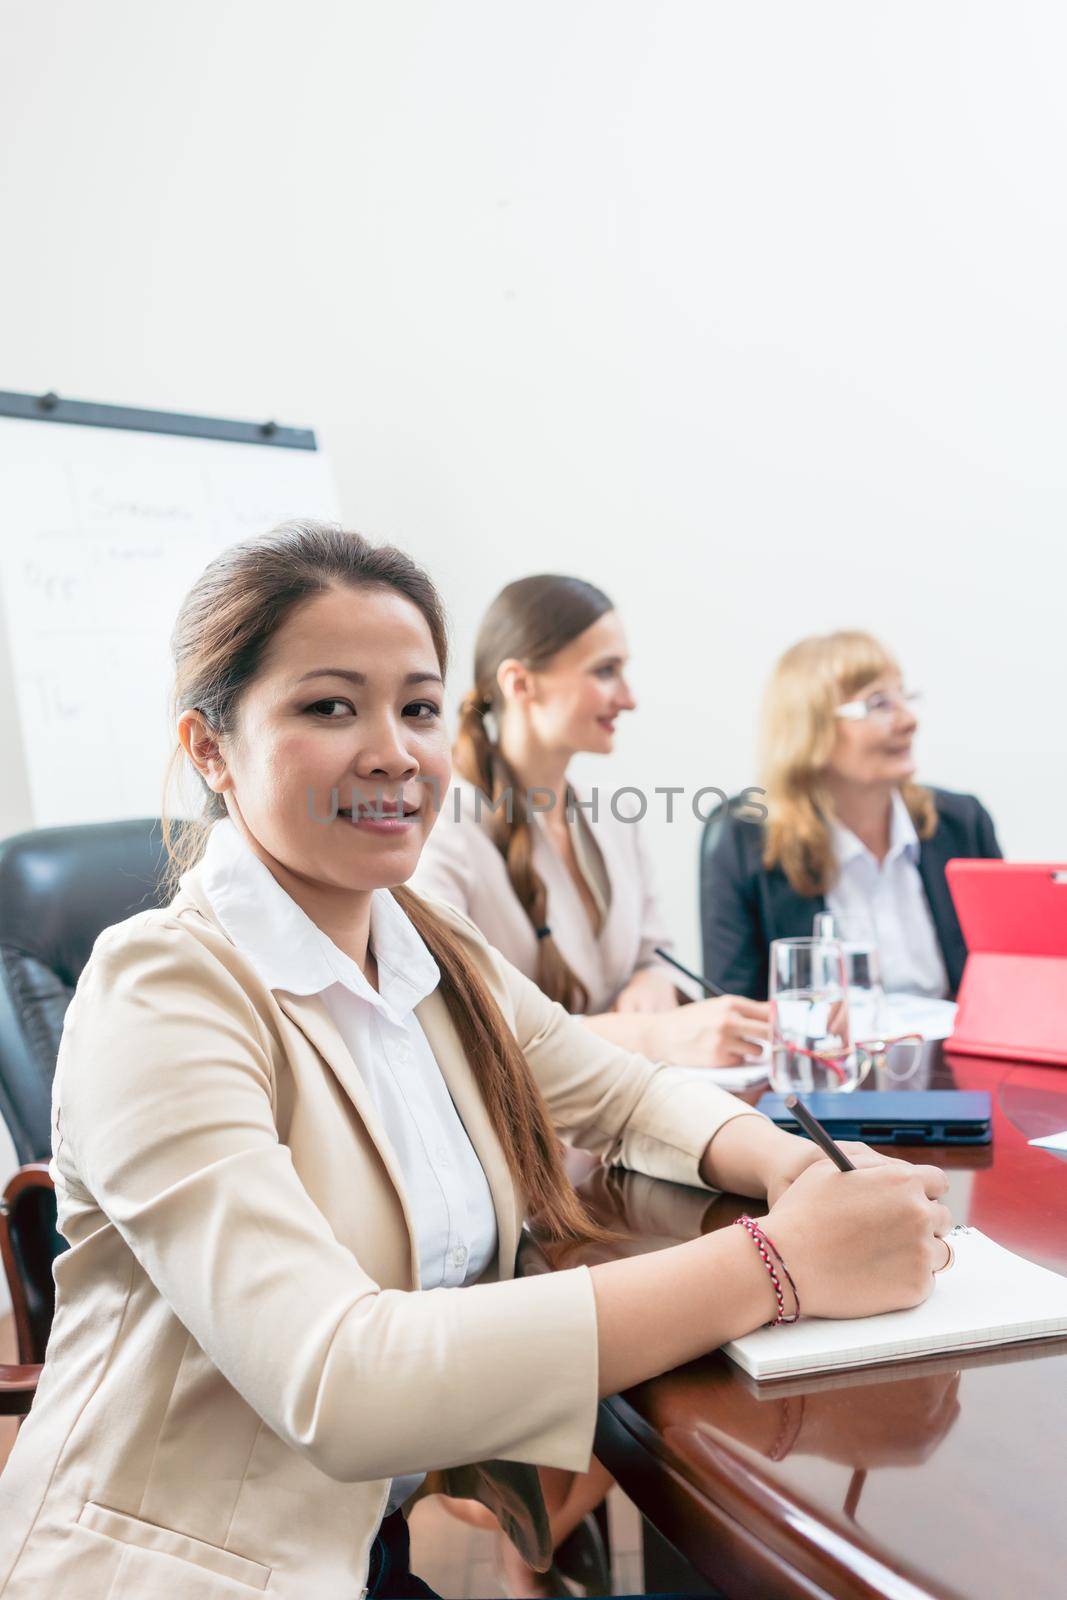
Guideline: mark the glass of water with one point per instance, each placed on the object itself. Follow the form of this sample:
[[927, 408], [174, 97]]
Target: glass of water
[[811, 1039], [894, 1057], [866, 997]]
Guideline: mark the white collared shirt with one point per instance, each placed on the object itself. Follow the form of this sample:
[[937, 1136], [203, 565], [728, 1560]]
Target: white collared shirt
[[461, 863], [446, 1189], [886, 904]]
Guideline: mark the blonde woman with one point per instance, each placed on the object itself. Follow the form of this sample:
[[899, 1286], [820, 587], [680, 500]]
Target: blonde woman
[[299, 1118], [558, 882], [848, 828]]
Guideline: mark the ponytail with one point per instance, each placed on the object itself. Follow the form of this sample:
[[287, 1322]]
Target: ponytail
[[484, 765]]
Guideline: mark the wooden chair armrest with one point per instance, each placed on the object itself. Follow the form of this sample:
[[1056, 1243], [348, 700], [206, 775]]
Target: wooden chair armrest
[[34, 1175], [18, 1385]]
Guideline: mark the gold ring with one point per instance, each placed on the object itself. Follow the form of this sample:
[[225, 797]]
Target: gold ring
[[951, 1257]]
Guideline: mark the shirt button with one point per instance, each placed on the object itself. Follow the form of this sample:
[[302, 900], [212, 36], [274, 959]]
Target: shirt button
[[459, 1256]]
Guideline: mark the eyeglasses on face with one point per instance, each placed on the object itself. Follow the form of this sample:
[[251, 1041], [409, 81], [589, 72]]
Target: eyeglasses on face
[[882, 703]]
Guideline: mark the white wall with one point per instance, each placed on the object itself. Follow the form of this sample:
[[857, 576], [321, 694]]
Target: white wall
[[754, 315]]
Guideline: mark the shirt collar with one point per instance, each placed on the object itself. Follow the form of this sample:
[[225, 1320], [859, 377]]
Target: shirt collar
[[290, 952], [903, 839]]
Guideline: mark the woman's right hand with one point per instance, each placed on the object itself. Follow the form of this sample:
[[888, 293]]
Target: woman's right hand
[[725, 1032], [858, 1243]]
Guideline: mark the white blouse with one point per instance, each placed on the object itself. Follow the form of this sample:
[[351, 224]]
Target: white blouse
[[886, 904], [448, 1197], [461, 864]]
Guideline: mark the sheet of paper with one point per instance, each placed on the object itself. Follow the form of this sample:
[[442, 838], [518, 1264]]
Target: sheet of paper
[[917, 1013], [738, 1077], [1052, 1141], [731, 1077]]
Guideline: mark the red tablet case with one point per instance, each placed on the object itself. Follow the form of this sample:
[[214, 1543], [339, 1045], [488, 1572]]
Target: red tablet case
[[1013, 998]]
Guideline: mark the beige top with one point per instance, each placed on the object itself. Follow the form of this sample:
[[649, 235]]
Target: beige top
[[461, 864], [239, 1364]]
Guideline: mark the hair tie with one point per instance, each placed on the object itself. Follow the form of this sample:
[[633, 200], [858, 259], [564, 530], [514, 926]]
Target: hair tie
[[542, 933]]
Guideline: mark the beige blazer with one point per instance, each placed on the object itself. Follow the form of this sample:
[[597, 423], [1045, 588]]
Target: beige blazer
[[461, 864], [238, 1367]]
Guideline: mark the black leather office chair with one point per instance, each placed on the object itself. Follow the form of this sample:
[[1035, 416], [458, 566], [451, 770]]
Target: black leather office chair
[[59, 888], [709, 838]]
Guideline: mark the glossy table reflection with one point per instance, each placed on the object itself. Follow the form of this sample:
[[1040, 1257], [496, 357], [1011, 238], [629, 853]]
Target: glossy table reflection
[[941, 1477]]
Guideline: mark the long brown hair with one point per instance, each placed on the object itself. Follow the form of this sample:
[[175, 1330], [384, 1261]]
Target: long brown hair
[[797, 736], [224, 628], [530, 620]]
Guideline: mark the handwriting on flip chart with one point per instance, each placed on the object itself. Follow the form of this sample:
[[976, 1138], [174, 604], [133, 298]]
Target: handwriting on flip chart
[[76, 574], [102, 534]]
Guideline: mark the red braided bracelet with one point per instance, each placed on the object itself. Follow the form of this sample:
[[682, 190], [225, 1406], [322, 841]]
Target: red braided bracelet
[[766, 1249], [788, 1276]]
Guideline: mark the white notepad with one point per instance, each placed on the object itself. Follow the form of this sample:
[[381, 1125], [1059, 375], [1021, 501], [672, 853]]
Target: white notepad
[[989, 1296], [919, 1013]]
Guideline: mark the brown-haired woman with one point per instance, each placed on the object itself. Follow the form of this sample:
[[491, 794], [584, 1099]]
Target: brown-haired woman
[[297, 1096], [561, 885], [848, 828]]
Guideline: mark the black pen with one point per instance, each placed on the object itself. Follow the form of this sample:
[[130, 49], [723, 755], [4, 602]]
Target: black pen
[[815, 1130], [710, 988]]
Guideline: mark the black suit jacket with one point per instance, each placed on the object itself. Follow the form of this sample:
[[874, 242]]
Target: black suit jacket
[[743, 906]]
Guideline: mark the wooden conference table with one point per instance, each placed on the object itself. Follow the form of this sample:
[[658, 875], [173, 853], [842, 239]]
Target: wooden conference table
[[940, 1477]]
